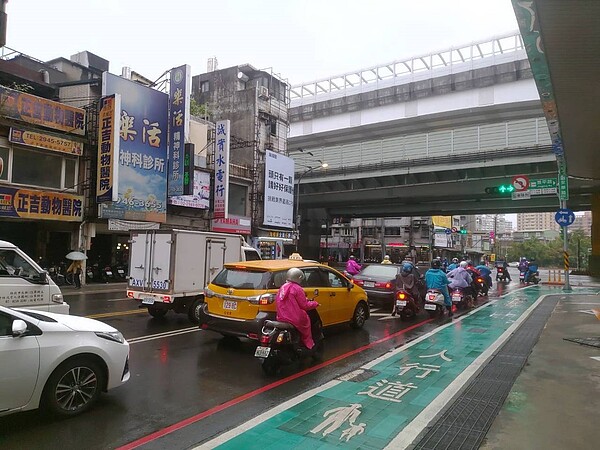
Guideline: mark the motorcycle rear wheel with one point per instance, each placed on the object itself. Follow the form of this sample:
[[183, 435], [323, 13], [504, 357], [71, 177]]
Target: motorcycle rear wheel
[[270, 367], [407, 314]]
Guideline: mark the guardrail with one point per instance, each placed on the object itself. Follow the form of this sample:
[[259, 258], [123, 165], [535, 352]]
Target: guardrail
[[555, 277]]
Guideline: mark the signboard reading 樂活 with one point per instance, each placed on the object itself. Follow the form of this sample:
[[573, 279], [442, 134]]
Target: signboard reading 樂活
[[40, 111], [141, 169], [179, 124]]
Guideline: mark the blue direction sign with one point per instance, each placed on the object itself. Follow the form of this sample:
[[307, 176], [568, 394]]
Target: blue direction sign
[[564, 217], [448, 231]]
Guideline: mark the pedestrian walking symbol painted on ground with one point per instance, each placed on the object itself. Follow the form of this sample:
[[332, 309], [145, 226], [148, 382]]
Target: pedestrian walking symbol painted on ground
[[335, 418]]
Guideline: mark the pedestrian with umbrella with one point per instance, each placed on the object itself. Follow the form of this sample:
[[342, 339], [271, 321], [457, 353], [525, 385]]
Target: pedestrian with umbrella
[[76, 267]]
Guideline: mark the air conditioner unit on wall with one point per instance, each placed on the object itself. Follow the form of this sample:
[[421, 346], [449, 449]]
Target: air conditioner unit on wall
[[263, 92]]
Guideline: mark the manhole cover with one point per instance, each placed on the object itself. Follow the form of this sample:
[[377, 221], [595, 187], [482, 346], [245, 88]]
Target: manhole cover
[[591, 341]]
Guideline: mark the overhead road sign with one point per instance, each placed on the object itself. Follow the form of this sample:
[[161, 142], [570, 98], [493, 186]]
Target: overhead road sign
[[542, 183], [523, 195]]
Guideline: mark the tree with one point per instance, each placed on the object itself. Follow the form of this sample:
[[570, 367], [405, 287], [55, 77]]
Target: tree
[[198, 110]]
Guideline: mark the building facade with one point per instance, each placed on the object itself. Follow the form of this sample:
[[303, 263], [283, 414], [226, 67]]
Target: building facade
[[536, 221]]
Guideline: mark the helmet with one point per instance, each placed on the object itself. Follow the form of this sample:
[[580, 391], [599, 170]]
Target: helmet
[[463, 264], [351, 256], [386, 257], [295, 275], [407, 268], [436, 264], [455, 260], [532, 260]]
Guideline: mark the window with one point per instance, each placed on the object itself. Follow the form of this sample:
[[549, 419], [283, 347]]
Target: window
[[5, 324], [204, 86], [313, 278], [237, 199], [13, 265], [335, 280], [34, 168], [273, 125], [393, 231]]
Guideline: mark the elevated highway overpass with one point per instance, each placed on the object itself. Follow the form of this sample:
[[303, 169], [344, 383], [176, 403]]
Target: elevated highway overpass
[[424, 135]]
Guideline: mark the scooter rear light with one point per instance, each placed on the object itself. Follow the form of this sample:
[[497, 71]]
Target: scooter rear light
[[401, 295], [480, 280], [264, 339]]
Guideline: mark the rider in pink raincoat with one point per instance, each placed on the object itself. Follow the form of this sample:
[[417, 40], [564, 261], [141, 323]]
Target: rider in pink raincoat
[[292, 305]]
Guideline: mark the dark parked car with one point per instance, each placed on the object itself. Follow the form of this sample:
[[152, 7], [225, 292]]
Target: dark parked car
[[379, 281]]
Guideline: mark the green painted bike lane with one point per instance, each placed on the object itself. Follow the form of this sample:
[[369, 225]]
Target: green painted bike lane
[[396, 394]]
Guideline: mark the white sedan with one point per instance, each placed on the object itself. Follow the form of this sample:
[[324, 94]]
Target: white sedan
[[57, 361]]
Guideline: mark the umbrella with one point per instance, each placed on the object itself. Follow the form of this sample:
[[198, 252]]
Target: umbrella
[[76, 256]]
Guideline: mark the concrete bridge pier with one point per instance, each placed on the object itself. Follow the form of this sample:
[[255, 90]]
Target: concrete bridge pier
[[595, 256], [311, 230]]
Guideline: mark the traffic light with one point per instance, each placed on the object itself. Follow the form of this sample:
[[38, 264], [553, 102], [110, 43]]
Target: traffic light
[[463, 230], [504, 189]]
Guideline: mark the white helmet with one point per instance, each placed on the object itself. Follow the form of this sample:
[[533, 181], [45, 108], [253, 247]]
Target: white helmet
[[296, 275], [464, 264]]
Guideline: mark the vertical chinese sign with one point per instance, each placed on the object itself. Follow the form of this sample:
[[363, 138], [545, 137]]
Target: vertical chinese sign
[[221, 169], [141, 181], [108, 148], [179, 119], [279, 190]]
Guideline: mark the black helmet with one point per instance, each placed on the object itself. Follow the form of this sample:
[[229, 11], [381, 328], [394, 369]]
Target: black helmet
[[436, 264]]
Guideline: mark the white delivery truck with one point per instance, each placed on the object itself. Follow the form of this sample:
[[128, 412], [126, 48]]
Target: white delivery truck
[[169, 269], [24, 284]]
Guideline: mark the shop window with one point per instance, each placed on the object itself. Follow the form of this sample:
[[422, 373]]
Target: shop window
[[43, 169], [3, 163]]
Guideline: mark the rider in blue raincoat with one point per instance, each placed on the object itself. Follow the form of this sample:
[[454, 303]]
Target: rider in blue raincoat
[[435, 278]]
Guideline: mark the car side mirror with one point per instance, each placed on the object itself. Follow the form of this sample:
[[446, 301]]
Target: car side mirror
[[350, 285], [19, 328]]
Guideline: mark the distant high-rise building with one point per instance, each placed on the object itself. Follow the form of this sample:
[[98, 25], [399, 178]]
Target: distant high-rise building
[[536, 221], [583, 223], [493, 222]]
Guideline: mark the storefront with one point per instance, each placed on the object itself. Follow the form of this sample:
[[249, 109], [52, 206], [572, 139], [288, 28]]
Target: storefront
[[275, 245]]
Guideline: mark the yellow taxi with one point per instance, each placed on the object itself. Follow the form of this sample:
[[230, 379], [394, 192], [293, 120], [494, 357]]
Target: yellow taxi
[[242, 296]]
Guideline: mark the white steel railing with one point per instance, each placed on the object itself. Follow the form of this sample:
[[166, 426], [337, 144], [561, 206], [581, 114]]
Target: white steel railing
[[455, 56]]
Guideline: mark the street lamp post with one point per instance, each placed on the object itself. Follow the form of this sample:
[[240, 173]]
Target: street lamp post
[[323, 165]]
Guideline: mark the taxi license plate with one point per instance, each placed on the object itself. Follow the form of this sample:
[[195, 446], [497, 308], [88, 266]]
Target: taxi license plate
[[369, 284], [430, 307], [148, 301], [262, 352], [228, 304], [401, 303]]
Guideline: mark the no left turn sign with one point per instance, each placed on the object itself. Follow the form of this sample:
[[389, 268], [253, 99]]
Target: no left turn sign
[[520, 183]]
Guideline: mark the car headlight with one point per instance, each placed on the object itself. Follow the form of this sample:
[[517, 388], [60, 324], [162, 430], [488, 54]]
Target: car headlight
[[57, 298], [114, 336]]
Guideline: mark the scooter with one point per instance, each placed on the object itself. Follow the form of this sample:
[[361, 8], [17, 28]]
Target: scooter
[[406, 306], [280, 344], [481, 286], [461, 299], [501, 274], [434, 303], [522, 276], [534, 278], [120, 272]]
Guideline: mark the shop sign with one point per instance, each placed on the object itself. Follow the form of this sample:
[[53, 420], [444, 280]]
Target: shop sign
[[45, 141], [33, 204], [280, 234], [126, 225], [201, 194], [279, 190], [40, 111], [141, 171], [238, 225], [222, 170], [108, 148], [179, 126]]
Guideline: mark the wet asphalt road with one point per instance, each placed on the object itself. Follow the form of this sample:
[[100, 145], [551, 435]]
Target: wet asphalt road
[[184, 372]]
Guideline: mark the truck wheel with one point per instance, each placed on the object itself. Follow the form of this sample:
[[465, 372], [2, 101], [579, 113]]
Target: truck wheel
[[194, 310], [157, 313]]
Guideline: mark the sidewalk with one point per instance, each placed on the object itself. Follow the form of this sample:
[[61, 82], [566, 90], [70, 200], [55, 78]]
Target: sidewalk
[[93, 288], [445, 389]]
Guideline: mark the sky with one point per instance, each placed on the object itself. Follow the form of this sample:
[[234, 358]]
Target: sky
[[300, 40]]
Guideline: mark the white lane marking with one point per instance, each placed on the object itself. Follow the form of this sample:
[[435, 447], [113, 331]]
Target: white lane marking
[[221, 439], [585, 303], [152, 337], [597, 358], [119, 299], [431, 411]]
